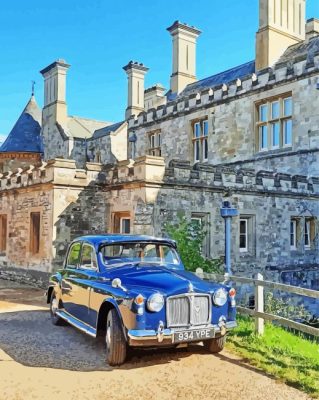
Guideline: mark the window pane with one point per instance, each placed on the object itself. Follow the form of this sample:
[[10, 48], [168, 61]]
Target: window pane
[[205, 128], [243, 234], [287, 107], [205, 149], [293, 233], [88, 257], [73, 258], [287, 132], [125, 225], [152, 140], [263, 111], [196, 151], [307, 233], [275, 110], [159, 139], [242, 242], [243, 226], [263, 137], [275, 134], [197, 130]]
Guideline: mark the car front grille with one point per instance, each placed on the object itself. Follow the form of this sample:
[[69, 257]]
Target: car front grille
[[190, 309]]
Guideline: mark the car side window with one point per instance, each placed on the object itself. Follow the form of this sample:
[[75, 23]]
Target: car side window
[[88, 258], [74, 255]]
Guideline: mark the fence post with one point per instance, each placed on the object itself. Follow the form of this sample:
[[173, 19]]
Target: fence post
[[259, 305]]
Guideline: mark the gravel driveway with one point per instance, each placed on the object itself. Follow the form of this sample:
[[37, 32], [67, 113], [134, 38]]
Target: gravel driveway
[[39, 360]]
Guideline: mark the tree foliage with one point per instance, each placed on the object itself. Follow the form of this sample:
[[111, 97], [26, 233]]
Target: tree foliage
[[189, 236]]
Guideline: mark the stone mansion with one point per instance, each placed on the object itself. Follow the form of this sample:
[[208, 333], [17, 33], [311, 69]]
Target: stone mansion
[[249, 135]]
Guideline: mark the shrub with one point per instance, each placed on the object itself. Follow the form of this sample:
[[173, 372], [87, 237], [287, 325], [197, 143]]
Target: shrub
[[189, 237]]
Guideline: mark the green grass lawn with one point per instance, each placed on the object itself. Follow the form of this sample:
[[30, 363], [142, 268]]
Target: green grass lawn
[[287, 356]]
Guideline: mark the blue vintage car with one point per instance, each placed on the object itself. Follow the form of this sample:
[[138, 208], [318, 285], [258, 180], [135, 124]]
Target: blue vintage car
[[134, 290]]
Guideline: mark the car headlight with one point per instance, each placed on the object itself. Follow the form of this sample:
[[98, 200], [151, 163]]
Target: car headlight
[[220, 297], [155, 302]]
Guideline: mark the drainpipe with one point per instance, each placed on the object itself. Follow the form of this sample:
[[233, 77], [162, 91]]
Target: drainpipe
[[228, 212]]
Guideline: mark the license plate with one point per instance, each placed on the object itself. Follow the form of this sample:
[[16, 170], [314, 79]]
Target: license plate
[[194, 335]]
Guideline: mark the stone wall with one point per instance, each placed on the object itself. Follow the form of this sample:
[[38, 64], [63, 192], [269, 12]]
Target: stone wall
[[56, 143], [69, 203], [75, 202], [18, 208], [231, 113], [269, 199]]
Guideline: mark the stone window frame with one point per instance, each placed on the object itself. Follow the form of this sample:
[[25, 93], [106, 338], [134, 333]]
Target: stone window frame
[[204, 218], [3, 232], [155, 145], [270, 121], [200, 133], [250, 248], [117, 221], [300, 222]]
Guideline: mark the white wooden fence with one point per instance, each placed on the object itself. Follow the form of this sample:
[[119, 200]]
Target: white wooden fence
[[258, 312]]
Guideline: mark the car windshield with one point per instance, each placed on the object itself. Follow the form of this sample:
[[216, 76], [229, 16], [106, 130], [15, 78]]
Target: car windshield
[[155, 253]]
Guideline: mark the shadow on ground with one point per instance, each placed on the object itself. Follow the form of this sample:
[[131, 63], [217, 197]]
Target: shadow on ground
[[31, 339]]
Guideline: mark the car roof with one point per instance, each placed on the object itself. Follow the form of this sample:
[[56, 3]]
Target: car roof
[[119, 237]]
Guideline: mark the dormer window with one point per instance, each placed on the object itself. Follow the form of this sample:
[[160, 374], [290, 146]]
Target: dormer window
[[200, 140]]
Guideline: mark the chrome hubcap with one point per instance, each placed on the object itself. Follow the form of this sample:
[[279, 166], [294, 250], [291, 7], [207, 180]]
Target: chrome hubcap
[[54, 306], [108, 335]]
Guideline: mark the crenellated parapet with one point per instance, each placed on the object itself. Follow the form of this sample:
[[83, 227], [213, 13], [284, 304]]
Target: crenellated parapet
[[150, 170], [55, 172], [182, 172], [285, 71]]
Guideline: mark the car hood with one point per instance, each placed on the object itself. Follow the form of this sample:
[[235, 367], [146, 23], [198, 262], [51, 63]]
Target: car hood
[[165, 280]]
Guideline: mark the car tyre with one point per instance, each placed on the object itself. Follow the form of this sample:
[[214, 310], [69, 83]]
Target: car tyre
[[54, 306], [116, 346], [215, 345]]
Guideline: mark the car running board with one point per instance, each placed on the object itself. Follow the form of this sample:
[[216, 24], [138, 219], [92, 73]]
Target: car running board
[[77, 323]]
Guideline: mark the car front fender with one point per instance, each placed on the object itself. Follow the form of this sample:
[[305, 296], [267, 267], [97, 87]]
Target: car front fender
[[106, 306]]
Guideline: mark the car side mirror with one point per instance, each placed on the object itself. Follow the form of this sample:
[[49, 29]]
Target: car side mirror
[[117, 283]]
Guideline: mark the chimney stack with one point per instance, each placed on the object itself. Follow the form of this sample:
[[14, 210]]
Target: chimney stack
[[135, 77], [312, 28], [54, 90], [281, 24], [184, 55]]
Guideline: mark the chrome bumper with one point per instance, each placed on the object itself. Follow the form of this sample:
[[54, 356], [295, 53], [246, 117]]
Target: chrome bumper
[[166, 336]]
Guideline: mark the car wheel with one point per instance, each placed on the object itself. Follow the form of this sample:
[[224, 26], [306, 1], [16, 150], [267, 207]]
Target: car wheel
[[215, 345], [54, 306], [116, 346]]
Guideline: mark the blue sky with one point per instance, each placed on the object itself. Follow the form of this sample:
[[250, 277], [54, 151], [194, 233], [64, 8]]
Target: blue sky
[[98, 37]]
